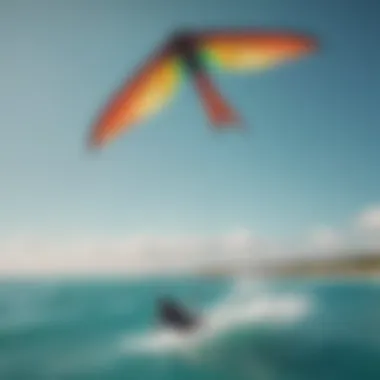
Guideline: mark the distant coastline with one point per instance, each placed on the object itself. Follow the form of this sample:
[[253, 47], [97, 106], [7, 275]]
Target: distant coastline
[[353, 265], [349, 266]]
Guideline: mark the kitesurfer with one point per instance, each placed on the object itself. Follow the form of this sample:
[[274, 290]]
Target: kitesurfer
[[172, 314]]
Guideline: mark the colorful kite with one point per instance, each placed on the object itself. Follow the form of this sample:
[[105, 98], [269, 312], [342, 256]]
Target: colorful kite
[[192, 55]]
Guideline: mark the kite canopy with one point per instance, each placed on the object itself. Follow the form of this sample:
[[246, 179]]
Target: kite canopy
[[193, 55]]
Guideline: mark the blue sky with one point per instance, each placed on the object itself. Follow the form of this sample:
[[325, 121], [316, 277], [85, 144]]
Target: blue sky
[[310, 156]]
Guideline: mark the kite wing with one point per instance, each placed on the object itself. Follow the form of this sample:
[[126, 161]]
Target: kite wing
[[142, 96], [251, 50]]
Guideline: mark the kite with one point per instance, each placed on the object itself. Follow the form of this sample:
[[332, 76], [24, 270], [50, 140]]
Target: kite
[[193, 55]]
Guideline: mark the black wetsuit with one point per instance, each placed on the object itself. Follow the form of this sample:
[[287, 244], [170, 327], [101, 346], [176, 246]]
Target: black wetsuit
[[171, 314]]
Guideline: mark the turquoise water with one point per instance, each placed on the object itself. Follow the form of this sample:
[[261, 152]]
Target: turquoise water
[[266, 331]]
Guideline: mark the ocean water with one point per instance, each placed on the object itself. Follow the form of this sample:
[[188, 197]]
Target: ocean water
[[106, 329]]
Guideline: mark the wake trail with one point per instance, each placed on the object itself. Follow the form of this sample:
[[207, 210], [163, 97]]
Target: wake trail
[[247, 303]]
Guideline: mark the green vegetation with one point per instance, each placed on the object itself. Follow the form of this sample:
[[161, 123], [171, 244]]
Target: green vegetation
[[349, 265], [342, 266]]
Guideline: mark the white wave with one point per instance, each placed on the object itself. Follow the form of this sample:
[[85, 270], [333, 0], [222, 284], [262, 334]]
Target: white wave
[[246, 304]]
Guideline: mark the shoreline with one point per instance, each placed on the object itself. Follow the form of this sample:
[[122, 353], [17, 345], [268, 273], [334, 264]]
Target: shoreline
[[351, 266]]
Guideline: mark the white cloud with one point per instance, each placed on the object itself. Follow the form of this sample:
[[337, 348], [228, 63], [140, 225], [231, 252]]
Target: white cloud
[[325, 240], [136, 254], [369, 219], [367, 228], [34, 254]]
